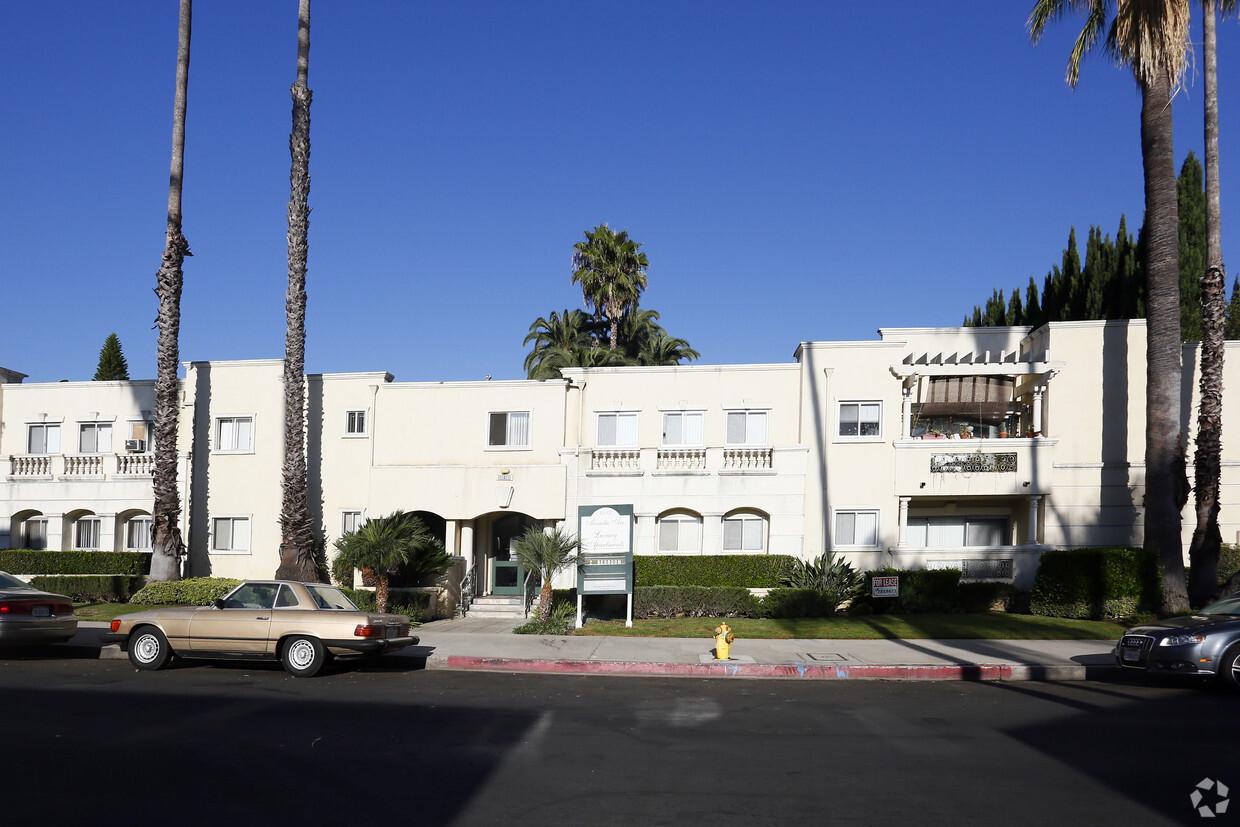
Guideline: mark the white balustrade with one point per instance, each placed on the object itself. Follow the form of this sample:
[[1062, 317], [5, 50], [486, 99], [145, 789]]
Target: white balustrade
[[682, 459], [615, 459], [31, 466], [748, 459]]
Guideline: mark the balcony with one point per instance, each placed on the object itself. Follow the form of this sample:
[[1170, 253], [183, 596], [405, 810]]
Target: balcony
[[31, 467], [974, 467], [696, 461]]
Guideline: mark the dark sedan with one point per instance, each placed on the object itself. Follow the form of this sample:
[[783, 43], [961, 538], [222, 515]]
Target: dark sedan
[[29, 616], [1204, 643]]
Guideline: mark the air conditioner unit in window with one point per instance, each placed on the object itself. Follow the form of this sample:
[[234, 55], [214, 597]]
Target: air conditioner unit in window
[[135, 445]]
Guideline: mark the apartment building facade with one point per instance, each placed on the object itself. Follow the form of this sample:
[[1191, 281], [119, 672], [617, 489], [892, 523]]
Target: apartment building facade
[[976, 448]]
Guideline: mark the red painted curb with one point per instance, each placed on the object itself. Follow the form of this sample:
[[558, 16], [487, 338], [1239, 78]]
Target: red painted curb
[[945, 672]]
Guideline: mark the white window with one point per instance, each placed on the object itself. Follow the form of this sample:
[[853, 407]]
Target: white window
[[617, 430], [95, 438], [682, 428], [746, 428], [680, 533], [861, 419], [138, 534], [350, 520], [141, 437], [744, 533], [856, 528], [43, 439], [230, 534], [355, 423], [957, 532], [234, 433], [509, 429], [86, 534], [34, 533]]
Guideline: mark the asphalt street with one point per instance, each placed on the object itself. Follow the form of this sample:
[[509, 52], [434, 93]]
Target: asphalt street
[[97, 742]]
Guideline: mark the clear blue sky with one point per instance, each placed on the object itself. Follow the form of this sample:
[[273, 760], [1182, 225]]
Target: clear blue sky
[[795, 171]]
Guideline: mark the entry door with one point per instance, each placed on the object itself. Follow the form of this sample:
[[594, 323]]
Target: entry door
[[506, 572]]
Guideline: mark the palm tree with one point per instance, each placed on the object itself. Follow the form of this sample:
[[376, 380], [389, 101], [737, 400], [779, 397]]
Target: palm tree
[[167, 546], [612, 272], [662, 349], [297, 531], [1150, 36], [384, 544], [547, 554], [1203, 552], [556, 339]]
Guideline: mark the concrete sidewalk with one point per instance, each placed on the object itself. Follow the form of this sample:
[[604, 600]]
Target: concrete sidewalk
[[490, 645]]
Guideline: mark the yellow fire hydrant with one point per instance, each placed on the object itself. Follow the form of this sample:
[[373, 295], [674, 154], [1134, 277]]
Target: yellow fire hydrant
[[723, 641]]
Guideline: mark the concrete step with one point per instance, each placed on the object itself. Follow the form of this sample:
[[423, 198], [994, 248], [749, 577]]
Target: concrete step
[[493, 606]]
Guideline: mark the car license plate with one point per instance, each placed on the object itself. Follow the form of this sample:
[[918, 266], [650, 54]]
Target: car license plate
[[1132, 654], [390, 632], [41, 611]]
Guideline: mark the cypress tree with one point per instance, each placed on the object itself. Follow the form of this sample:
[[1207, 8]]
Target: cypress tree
[[1015, 312], [112, 364], [1073, 293], [1232, 329], [1033, 309], [1191, 196]]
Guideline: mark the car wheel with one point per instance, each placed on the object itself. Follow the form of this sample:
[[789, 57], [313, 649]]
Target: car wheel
[[303, 657], [149, 649], [1229, 669]]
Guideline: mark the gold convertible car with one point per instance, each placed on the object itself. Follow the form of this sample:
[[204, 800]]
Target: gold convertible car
[[302, 625]]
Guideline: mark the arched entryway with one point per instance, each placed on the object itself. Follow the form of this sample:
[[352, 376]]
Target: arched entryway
[[500, 572]]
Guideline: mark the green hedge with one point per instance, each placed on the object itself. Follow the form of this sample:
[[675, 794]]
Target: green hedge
[[754, 571], [415, 605], [27, 561], [90, 588], [1097, 583], [787, 603], [693, 601], [1228, 562], [921, 591], [192, 591]]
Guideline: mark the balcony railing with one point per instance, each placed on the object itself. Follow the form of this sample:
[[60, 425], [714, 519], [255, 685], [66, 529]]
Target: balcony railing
[[615, 459], [748, 459], [681, 459], [78, 466]]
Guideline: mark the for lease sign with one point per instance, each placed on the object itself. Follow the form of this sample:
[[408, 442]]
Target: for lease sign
[[885, 587]]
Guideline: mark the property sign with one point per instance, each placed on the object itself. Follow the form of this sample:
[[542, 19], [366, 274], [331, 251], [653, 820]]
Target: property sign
[[605, 560], [885, 587]]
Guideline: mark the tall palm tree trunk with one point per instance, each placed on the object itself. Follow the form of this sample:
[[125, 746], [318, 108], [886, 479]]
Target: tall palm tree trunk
[[167, 546], [297, 533], [1203, 553], [1166, 484]]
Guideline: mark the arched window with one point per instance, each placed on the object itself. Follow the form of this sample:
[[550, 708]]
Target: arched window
[[744, 533], [680, 533], [138, 534], [86, 530]]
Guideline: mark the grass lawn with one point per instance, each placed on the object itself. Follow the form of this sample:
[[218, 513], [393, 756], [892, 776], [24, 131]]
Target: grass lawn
[[942, 626], [104, 612]]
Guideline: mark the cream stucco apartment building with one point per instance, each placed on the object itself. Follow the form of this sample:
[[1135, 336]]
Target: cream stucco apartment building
[[977, 448]]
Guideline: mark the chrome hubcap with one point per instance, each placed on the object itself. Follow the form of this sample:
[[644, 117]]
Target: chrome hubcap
[[301, 654], [146, 648]]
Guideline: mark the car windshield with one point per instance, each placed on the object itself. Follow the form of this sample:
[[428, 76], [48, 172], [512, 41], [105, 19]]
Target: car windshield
[[1229, 605], [8, 581], [330, 597]]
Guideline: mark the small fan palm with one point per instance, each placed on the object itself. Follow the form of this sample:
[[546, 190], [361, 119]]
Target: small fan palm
[[546, 554], [386, 543]]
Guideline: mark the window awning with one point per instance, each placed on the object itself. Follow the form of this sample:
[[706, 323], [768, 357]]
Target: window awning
[[987, 397]]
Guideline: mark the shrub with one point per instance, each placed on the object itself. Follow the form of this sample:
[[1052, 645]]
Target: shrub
[[754, 571], [835, 581], [90, 588], [415, 605], [920, 591], [1097, 583], [560, 622], [979, 598], [788, 603], [1228, 562], [28, 561], [692, 601], [192, 591]]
